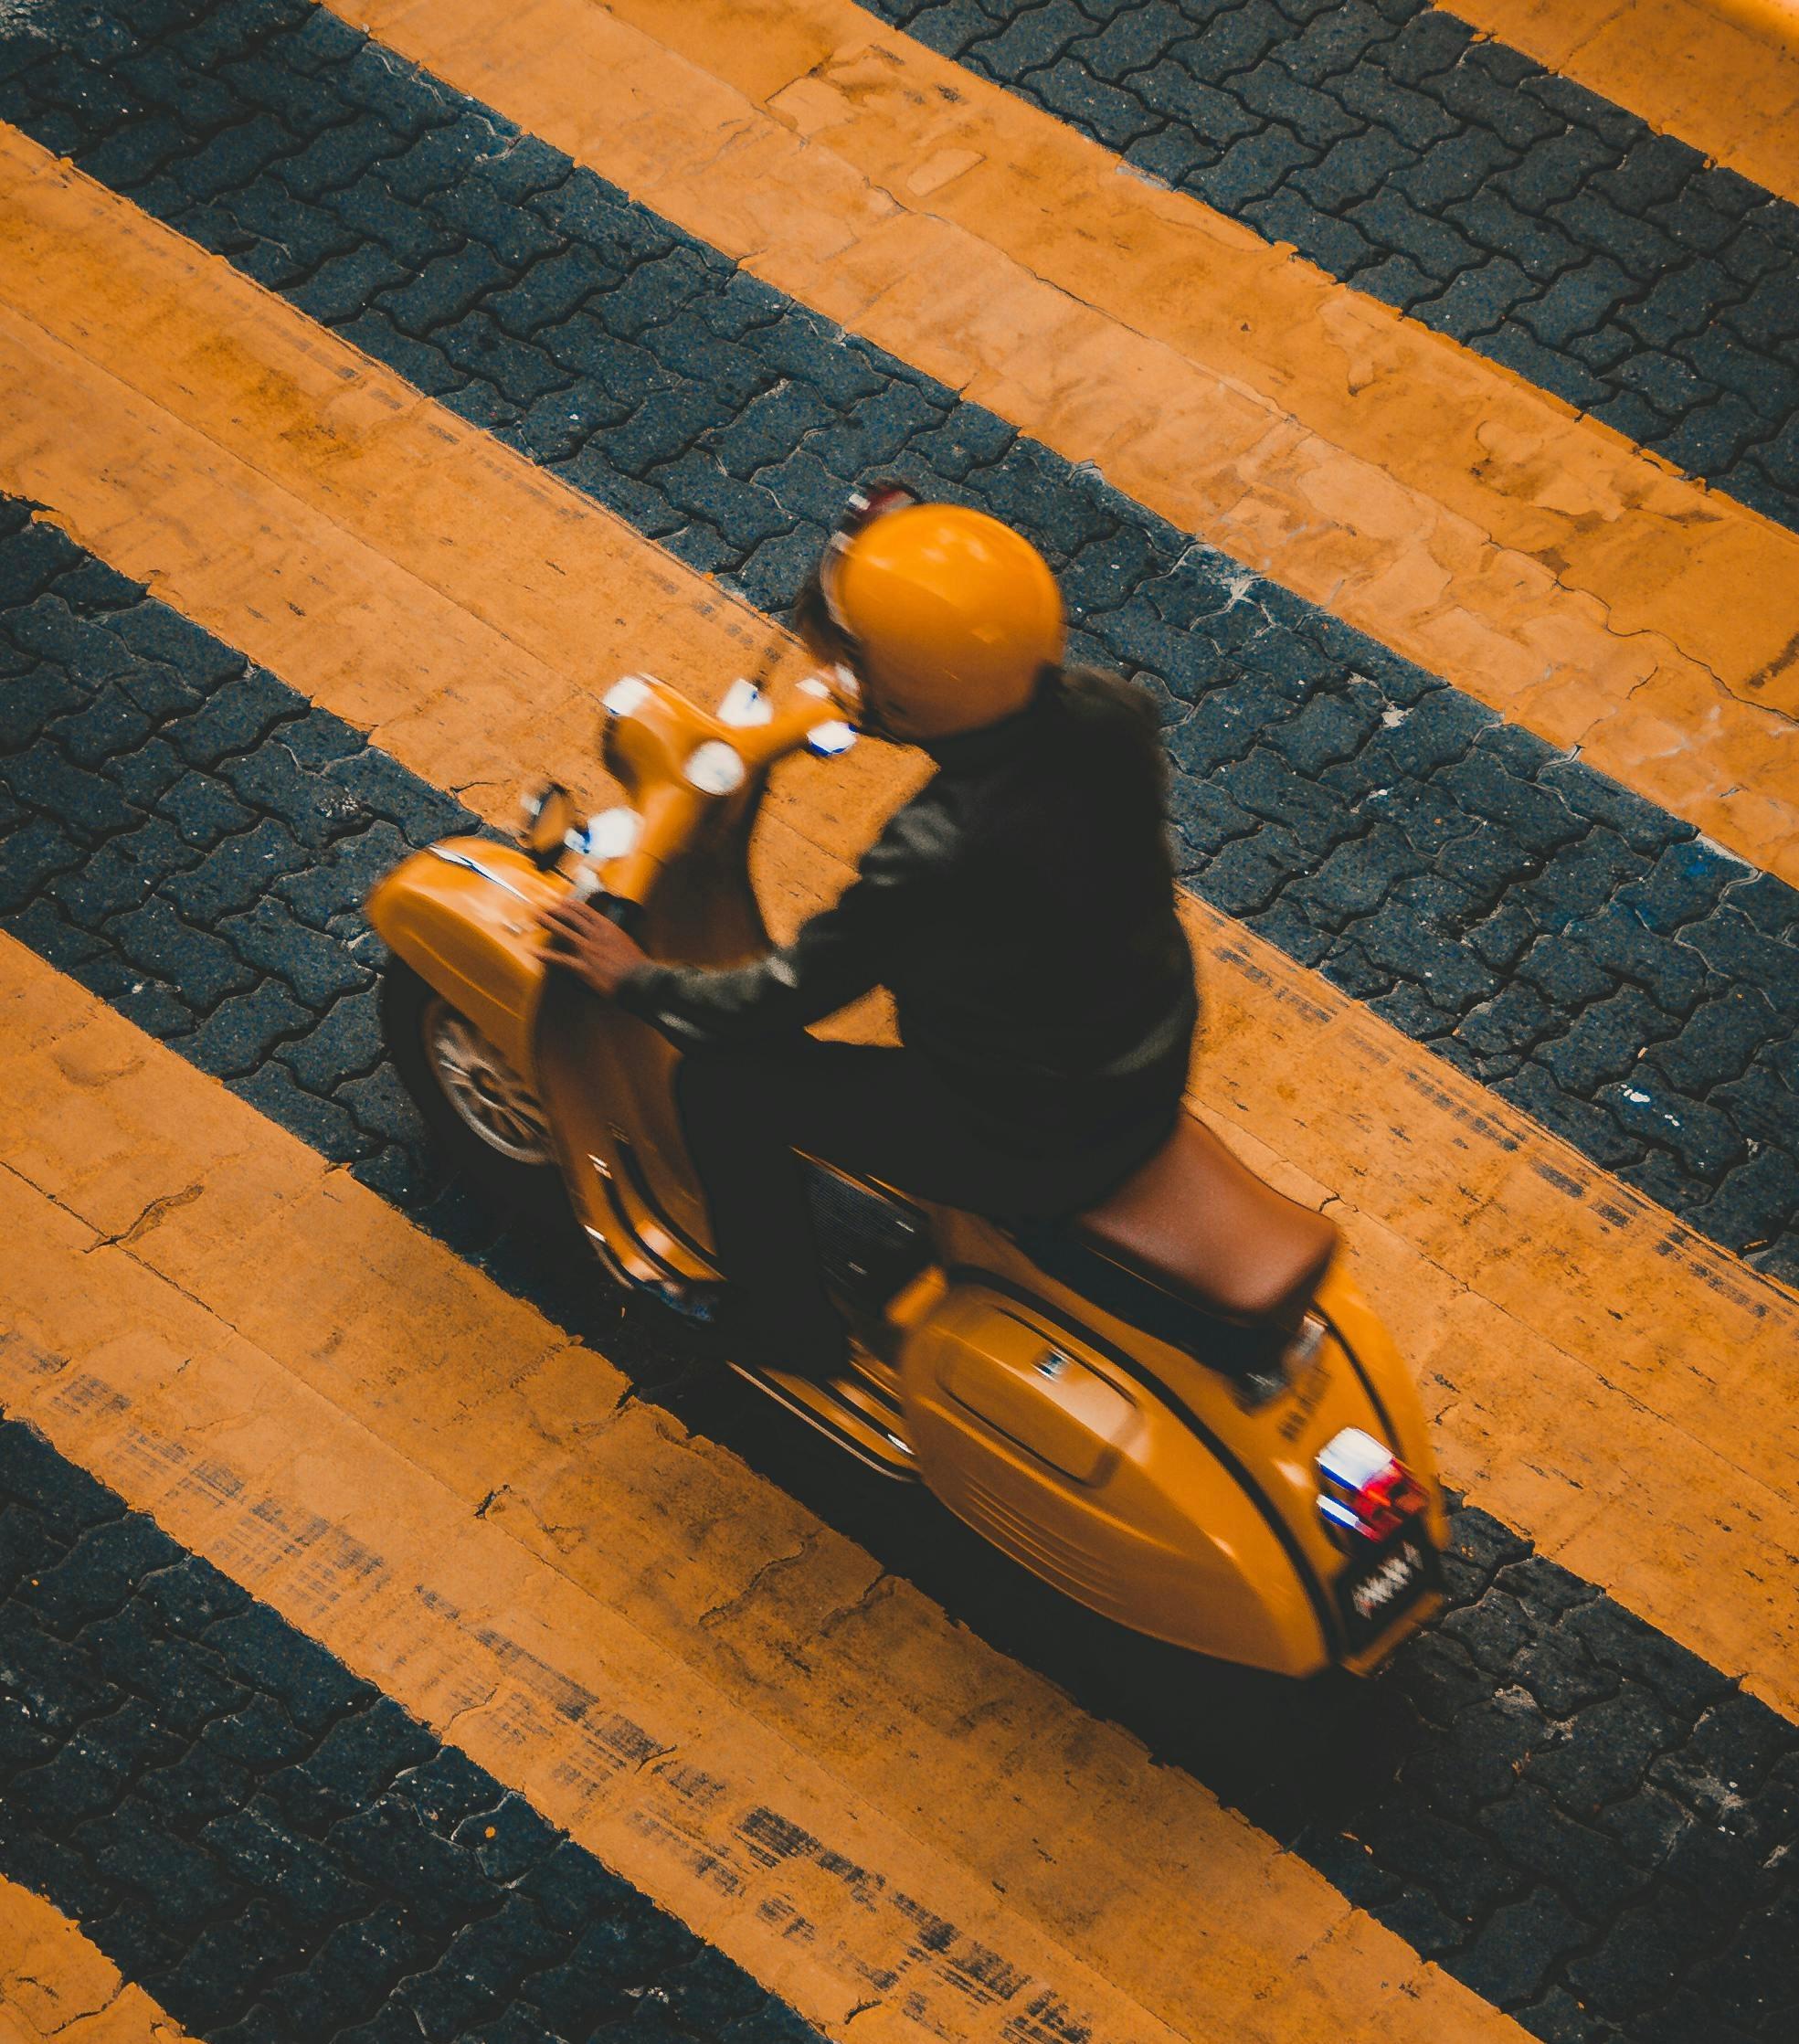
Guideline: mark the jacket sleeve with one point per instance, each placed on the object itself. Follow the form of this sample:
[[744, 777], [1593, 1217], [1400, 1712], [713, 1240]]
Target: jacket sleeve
[[836, 957]]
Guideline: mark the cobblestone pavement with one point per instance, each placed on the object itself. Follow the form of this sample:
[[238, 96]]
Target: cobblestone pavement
[[1582, 952], [271, 1847], [1586, 1823], [1452, 178]]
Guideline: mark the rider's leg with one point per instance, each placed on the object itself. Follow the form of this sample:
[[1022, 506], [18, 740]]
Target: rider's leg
[[878, 1111], [742, 1145]]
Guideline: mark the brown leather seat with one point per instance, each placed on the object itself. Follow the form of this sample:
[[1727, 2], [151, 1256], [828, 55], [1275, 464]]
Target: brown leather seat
[[1197, 1221]]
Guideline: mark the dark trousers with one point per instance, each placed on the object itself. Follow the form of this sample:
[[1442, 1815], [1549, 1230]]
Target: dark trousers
[[874, 1112]]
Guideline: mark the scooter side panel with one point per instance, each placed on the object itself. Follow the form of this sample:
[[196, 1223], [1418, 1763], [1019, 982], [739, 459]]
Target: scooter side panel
[[1276, 1441], [1094, 1483]]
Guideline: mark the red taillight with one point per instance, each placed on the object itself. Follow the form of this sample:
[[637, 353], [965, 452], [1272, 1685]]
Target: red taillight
[[1365, 1491]]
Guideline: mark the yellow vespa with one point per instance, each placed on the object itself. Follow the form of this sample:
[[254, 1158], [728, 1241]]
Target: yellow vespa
[[1177, 1410]]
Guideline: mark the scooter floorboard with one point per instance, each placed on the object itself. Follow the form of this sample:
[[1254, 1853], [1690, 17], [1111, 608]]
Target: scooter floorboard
[[855, 1412]]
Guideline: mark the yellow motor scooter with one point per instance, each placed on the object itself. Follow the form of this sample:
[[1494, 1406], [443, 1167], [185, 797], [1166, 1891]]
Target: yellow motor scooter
[[1176, 1409]]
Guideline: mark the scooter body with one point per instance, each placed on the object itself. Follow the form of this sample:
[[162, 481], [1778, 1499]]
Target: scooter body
[[1226, 1486]]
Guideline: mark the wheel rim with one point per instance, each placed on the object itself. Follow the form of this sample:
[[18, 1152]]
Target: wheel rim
[[488, 1097]]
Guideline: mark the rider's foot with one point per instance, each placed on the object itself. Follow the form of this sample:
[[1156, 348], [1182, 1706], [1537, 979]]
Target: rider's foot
[[712, 1315], [699, 1307]]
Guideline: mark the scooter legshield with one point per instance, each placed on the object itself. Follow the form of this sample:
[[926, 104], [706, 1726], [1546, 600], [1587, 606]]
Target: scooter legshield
[[463, 915]]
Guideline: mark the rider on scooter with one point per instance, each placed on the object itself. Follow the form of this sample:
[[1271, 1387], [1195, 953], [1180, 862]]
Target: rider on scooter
[[1020, 908]]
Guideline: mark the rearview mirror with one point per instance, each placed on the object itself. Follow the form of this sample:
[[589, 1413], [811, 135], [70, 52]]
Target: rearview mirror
[[546, 817]]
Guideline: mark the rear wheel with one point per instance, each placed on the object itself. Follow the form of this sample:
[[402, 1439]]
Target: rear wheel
[[481, 1114]]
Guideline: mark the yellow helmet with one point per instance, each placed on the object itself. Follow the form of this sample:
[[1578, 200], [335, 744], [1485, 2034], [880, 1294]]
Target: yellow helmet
[[947, 618]]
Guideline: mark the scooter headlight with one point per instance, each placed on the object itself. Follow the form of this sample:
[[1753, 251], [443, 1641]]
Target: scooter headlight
[[714, 767], [611, 834]]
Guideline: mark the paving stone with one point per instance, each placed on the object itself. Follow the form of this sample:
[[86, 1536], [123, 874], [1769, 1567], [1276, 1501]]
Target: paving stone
[[245, 1030], [1577, 1861], [1735, 948], [190, 1593], [1477, 1759], [1417, 119], [44, 778], [158, 941], [238, 713], [1541, 249], [1449, 1862], [1607, 1753], [1561, 1675], [271, 938], [1639, 1960], [1706, 1141], [329, 1128], [231, 876], [146, 774], [339, 884], [1722, 430], [203, 809], [1604, 1042], [1510, 1960], [121, 874]]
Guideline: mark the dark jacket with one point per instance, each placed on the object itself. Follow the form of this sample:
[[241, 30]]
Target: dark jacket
[[1021, 909]]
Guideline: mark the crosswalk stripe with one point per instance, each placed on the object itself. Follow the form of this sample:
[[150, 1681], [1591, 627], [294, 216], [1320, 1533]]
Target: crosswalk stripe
[[1433, 498], [1576, 1344], [438, 1486], [54, 1982], [1720, 74]]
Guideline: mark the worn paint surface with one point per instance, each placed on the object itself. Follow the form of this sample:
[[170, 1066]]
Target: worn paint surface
[[1528, 555]]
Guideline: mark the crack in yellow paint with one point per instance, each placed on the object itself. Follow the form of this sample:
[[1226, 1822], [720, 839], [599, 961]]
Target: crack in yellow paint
[[56, 1982]]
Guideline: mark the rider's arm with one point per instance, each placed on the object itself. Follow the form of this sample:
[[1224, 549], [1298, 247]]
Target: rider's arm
[[837, 956]]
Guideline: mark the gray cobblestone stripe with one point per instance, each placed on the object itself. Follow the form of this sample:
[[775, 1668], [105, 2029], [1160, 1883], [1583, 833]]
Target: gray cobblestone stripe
[[1581, 1820], [271, 1847], [1578, 950], [1452, 178]]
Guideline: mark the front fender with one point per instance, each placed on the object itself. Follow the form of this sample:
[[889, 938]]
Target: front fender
[[463, 915]]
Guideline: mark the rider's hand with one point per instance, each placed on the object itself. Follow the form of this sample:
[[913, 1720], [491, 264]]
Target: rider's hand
[[598, 952]]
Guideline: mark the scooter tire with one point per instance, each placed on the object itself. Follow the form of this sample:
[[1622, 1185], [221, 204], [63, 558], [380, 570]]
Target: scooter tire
[[410, 1007]]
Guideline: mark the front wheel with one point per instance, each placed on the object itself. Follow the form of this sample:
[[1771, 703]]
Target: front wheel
[[481, 1114]]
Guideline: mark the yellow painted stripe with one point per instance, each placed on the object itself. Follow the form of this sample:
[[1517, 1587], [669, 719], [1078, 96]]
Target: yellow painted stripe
[[463, 1505], [1720, 74], [1575, 1343], [1480, 527], [56, 1982]]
